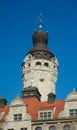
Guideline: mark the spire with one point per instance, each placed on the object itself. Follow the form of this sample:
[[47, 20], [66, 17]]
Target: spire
[[40, 41], [73, 90], [40, 20]]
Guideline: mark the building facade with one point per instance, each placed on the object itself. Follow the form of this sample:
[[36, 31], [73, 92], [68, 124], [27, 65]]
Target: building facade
[[38, 108]]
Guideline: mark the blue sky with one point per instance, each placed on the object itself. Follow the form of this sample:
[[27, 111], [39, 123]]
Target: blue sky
[[18, 20]]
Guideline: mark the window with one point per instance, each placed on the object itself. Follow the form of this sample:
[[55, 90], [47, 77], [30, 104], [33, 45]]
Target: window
[[67, 127], [17, 117], [49, 115], [42, 80], [29, 64], [38, 128], [45, 115], [73, 112], [52, 128], [38, 63], [23, 128], [46, 64], [38, 53], [10, 129], [45, 54]]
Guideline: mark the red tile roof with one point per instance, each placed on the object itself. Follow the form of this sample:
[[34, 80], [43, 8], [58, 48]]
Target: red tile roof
[[34, 105], [5, 110]]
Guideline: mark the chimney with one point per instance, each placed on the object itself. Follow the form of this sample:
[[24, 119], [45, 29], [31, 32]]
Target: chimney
[[31, 92], [3, 102], [51, 98]]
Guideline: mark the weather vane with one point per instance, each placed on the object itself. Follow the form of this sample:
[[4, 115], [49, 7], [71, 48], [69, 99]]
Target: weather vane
[[40, 20]]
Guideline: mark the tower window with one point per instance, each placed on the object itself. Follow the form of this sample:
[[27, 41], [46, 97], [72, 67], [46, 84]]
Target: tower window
[[39, 41], [46, 64], [43, 41], [29, 64], [54, 66], [42, 80], [38, 63], [45, 54], [29, 56], [38, 53]]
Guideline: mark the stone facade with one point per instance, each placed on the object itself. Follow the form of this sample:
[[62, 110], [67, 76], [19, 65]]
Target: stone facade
[[17, 117], [41, 73]]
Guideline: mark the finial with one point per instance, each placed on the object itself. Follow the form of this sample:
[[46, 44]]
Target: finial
[[40, 20], [31, 82], [17, 96], [74, 90]]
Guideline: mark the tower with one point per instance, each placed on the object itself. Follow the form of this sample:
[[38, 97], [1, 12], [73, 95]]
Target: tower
[[39, 68]]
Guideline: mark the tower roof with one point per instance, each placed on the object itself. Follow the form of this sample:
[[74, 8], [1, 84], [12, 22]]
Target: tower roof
[[40, 40], [40, 50], [40, 36]]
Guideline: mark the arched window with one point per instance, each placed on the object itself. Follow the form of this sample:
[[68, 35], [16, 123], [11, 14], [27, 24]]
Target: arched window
[[67, 127], [42, 80], [52, 128], [38, 63], [46, 64], [38, 128], [29, 64]]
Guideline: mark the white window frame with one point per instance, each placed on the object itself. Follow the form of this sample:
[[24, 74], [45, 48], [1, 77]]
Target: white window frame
[[73, 112], [17, 117], [45, 115]]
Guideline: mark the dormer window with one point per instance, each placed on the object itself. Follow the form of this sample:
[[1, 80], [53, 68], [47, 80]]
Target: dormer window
[[45, 115]]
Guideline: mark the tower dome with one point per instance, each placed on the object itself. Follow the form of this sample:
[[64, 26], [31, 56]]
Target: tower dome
[[40, 41], [40, 36]]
